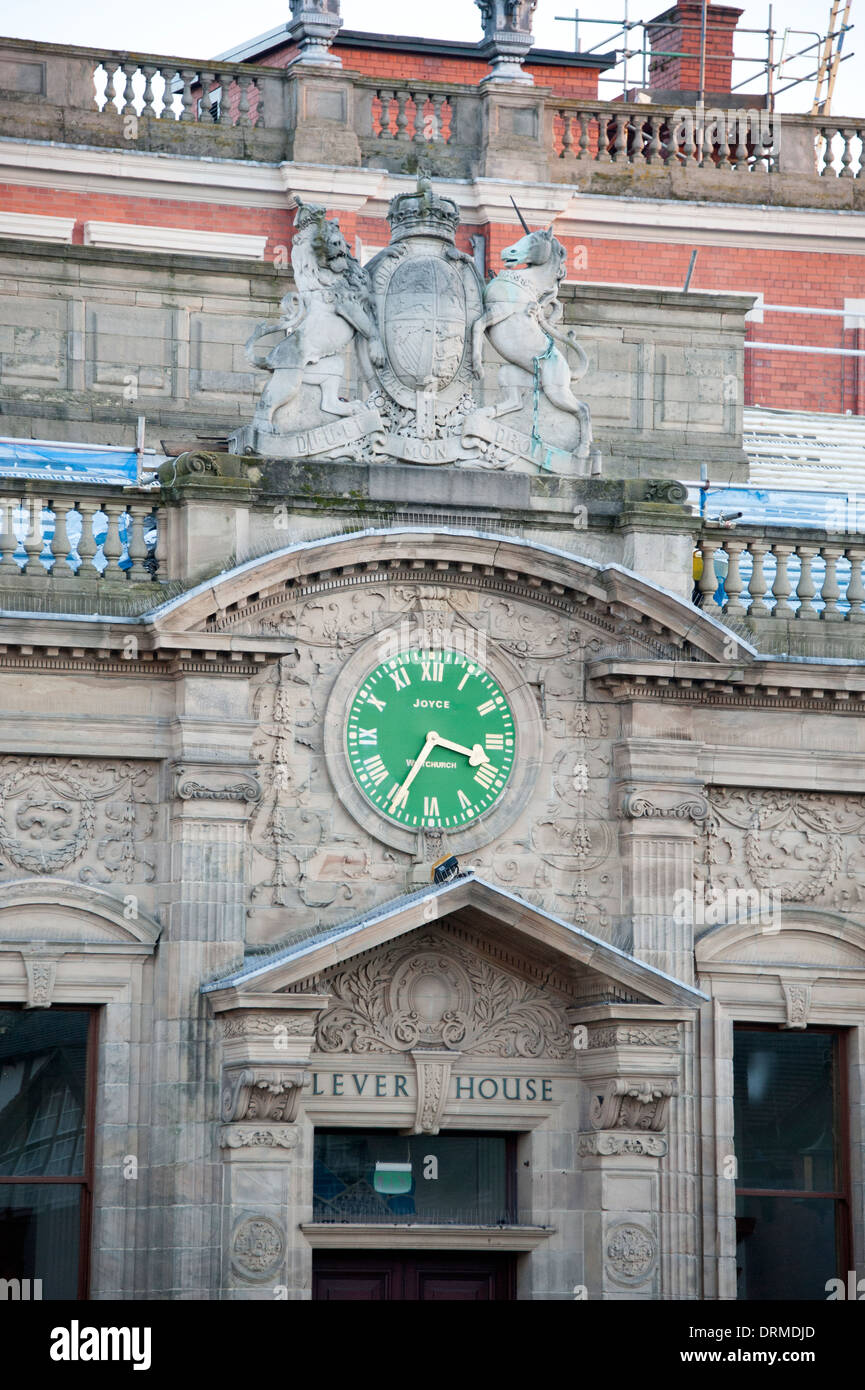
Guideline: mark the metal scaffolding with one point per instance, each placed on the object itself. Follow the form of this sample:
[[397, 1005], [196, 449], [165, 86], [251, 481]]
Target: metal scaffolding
[[825, 50]]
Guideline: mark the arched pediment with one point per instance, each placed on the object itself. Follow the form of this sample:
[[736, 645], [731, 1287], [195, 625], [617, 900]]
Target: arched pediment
[[68, 914], [613, 601], [794, 936]]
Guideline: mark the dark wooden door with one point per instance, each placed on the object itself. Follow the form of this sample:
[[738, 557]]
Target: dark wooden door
[[429, 1276]]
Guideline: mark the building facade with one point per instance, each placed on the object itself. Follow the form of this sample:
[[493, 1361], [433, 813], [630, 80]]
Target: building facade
[[408, 890]]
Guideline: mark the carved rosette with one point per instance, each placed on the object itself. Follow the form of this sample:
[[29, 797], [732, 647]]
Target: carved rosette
[[257, 1247], [253, 1093], [630, 1252], [638, 1103]]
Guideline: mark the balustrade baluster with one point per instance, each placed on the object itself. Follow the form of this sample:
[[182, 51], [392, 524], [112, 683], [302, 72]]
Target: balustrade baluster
[[438, 102], [135, 542], [690, 153], [385, 96], [420, 100], [129, 70], [707, 150], [110, 88], [741, 152], [86, 541], [401, 116], [584, 118], [33, 541], [831, 592], [733, 584], [61, 544], [168, 112], [206, 111], [187, 101], [9, 567], [149, 101], [243, 118], [806, 589], [112, 545], [759, 607], [781, 587], [708, 580], [846, 154], [225, 80], [856, 587], [828, 133], [652, 148], [567, 135]]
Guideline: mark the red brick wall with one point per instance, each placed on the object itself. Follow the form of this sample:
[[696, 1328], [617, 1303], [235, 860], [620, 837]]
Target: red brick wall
[[400, 68], [682, 35]]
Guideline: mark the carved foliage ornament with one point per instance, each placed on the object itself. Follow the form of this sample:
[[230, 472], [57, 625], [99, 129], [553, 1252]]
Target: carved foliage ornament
[[633, 1103], [257, 1094], [433, 992], [611, 1143], [54, 810]]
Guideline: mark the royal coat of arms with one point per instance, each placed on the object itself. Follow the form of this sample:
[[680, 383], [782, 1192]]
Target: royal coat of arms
[[413, 359]]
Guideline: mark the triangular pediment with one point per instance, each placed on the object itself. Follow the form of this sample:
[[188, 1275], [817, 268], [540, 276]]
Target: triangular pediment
[[496, 934]]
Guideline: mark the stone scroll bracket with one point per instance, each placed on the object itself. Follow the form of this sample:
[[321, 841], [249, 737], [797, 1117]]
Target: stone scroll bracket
[[433, 1081]]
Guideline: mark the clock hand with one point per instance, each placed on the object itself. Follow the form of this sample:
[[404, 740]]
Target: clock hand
[[475, 754], [401, 796]]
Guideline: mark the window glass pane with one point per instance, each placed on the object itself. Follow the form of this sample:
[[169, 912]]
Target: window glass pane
[[43, 1055], [377, 1175], [786, 1247], [40, 1228], [785, 1110]]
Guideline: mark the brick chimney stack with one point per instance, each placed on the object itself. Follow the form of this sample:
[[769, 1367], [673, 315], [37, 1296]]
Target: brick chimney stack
[[678, 31]]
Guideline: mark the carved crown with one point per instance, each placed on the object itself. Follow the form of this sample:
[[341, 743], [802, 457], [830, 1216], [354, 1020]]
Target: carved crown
[[422, 213]]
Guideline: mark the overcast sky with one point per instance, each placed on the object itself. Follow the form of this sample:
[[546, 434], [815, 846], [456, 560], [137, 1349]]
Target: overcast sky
[[200, 31]]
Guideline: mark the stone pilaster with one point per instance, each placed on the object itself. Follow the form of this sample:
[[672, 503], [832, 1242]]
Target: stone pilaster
[[630, 1066], [204, 911], [266, 1143]]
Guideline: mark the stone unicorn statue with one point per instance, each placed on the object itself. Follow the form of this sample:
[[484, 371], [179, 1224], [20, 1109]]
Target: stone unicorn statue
[[522, 315], [318, 322]]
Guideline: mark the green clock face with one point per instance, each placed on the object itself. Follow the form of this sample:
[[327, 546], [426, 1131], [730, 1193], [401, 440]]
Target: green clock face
[[430, 739]]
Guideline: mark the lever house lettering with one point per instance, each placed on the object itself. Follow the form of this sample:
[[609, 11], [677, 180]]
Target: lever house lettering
[[384, 1085]]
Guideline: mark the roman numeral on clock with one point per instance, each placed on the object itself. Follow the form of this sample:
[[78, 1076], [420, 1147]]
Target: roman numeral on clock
[[487, 707], [376, 768], [371, 736], [399, 678], [486, 774], [465, 802], [490, 740], [430, 806], [432, 671], [379, 704]]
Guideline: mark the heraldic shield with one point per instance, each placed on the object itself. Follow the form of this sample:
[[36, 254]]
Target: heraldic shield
[[427, 296]]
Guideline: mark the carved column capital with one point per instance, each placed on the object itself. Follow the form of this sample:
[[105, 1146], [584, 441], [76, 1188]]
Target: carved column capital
[[633, 1102], [256, 1093], [670, 803]]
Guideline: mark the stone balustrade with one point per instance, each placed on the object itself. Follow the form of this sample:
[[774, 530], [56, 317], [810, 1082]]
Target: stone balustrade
[[612, 133], [77, 540], [171, 91], [59, 93], [780, 574]]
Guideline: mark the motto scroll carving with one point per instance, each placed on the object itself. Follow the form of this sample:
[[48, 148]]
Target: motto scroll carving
[[434, 993]]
